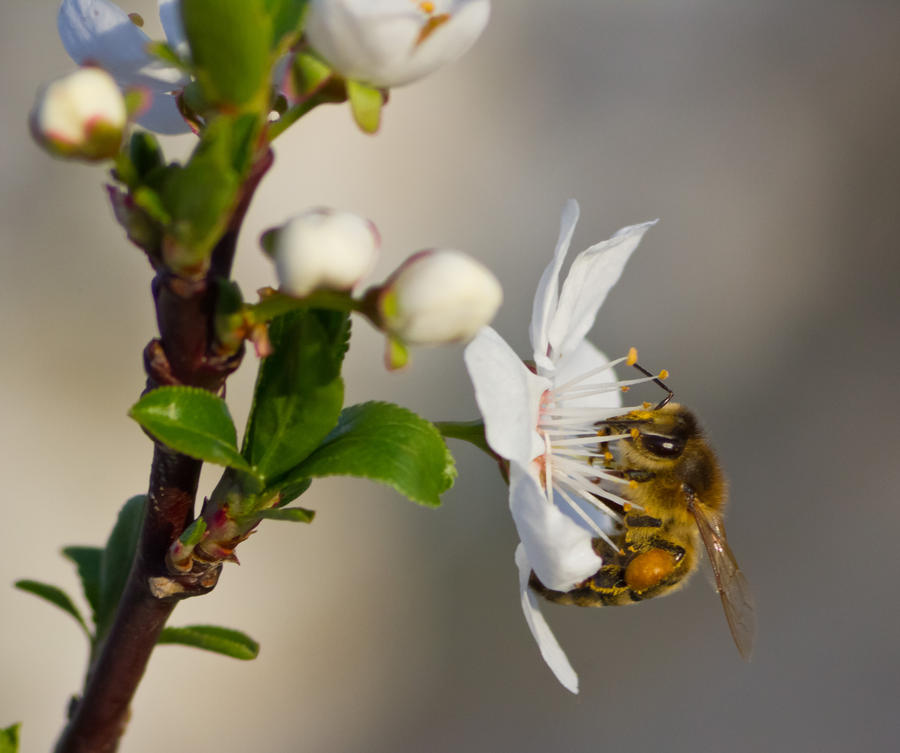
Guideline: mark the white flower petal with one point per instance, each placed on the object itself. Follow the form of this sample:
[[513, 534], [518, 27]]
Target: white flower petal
[[558, 547], [163, 116], [549, 647], [98, 31], [508, 396], [583, 359], [590, 278], [170, 15], [547, 293]]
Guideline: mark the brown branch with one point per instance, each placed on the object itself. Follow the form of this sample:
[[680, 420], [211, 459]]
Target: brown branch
[[185, 353]]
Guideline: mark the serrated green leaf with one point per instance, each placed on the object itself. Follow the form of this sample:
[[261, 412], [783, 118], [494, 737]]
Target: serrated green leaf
[[9, 739], [292, 514], [386, 443], [88, 560], [230, 48], [365, 103], [117, 557], [299, 391], [221, 640], [56, 596], [191, 421]]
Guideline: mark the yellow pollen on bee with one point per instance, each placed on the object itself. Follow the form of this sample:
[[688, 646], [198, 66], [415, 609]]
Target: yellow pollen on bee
[[632, 484], [626, 507], [664, 374], [632, 357]]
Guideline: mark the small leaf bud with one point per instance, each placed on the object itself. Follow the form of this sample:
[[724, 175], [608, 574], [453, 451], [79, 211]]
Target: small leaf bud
[[322, 249], [438, 296], [80, 115]]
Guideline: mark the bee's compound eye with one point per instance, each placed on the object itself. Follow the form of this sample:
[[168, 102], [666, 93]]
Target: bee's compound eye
[[661, 446]]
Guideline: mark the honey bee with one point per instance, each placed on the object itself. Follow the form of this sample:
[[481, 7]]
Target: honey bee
[[676, 498]]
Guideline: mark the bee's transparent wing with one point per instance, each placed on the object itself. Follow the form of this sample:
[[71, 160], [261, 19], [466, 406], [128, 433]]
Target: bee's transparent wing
[[737, 601]]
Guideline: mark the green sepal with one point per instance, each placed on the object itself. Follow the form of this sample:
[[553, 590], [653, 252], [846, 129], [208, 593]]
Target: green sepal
[[220, 640], [88, 561], [365, 104], [167, 54], [386, 443], [56, 596], [9, 739], [396, 354], [230, 49], [191, 421], [193, 534], [309, 73], [299, 390], [145, 153], [117, 557], [293, 514]]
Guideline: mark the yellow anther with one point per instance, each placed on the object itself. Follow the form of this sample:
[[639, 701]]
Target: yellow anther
[[625, 388], [136, 19], [426, 7], [626, 507], [632, 485], [664, 374], [635, 434], [632, 357], [646, 406]]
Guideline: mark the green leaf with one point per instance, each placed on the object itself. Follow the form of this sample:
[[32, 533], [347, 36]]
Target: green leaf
[[191, 421], [299, 391], [232, 643], [365, 103], [229, 42], [9, 739], [293, 514], [55, 596], [286, 17], [88, 560], [386, 443], [116, 563]]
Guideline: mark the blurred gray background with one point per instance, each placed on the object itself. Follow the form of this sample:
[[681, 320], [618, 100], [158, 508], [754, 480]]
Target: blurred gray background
[[764, 134]]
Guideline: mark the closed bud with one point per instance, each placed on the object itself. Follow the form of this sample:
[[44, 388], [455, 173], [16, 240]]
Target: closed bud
[[438, 296], [393, 42], [81, 115], [322, 249]]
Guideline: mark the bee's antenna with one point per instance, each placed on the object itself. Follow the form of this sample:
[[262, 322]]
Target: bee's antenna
[[657, 381]]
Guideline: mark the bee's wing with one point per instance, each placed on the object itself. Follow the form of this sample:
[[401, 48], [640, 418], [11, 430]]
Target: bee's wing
[[737, 601]]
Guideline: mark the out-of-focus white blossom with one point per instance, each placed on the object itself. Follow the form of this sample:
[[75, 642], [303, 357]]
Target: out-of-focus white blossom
[[387, 43], [98, 32], [438, 296], [323, 249], [80, 115]]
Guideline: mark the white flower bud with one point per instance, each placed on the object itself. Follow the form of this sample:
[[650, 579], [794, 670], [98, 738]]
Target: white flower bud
[[81, 115], [439, 296], [393, 42], [323, 248]]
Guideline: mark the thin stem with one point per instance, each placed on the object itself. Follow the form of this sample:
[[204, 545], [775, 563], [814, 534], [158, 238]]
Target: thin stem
[[467, 431], [185, 353]]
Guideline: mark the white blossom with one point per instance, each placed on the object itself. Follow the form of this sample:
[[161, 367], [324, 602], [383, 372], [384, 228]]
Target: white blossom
[[438, 296], [99, 32], [543, 422], [81, 114], [387, 43], [324, 248]]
